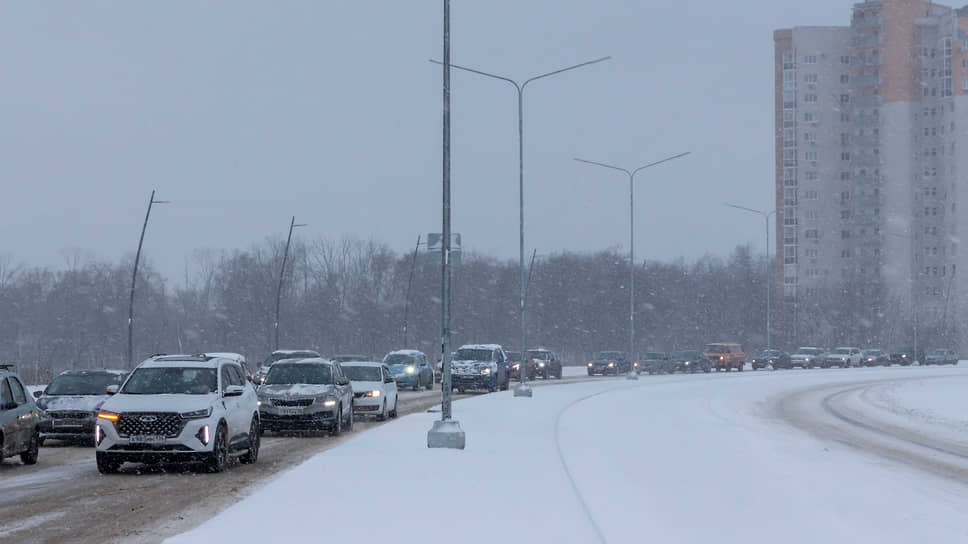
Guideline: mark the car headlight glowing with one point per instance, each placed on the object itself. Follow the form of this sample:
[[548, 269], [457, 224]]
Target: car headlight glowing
[[589, 364], [374, 393], [485, 371], [516, 366], [411, 370], [330, 402], [197, 414], [109, 416], [259, 403], [687, 363], [611, 365], [541, 365]]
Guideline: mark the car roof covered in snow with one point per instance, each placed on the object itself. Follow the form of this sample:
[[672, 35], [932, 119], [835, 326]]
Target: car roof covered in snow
[[290, 351], [362, 363], [94, 371], [481, 346], [200, 361], [303, 361], [239, 358], [411, 352]]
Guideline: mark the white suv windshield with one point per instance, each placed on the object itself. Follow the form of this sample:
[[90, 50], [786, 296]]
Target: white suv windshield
[[473, 355], [171, 380]]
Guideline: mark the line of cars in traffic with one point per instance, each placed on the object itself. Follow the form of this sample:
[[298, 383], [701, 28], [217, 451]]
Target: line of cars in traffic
[[208, 408], [846, 357]]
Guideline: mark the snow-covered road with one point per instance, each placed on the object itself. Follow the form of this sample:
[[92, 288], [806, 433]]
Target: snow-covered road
[[685, 458]]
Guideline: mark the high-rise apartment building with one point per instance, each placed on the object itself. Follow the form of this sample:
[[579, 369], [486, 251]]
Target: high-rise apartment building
[[871, 167]]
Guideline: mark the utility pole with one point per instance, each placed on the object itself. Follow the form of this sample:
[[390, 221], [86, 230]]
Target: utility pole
[[134, 278]]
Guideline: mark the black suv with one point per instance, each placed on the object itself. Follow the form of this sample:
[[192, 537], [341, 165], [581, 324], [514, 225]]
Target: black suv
[[773, 358], [903, 356], [689, 361], [19, 419]]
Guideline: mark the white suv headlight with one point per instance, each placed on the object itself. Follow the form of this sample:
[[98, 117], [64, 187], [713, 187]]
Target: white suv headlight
[[485, 371], [329, 402], [197, 414]]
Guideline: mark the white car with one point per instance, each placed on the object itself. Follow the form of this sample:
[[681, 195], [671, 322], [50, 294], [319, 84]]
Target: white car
[[843, 357], [374, 389], [179, 408]]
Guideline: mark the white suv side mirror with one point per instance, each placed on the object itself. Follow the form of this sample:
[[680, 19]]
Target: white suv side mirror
[[112, 389], [234, 391]]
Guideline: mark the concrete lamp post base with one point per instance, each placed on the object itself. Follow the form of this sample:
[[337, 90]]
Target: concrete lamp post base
[[633, 375], [523, 390], [446, 434]]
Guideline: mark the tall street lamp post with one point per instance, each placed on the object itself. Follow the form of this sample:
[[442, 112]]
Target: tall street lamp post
[[522, 389], [406, 307], [769, 265], [446, 432], [134, 277], [631, 174], [282, 274]]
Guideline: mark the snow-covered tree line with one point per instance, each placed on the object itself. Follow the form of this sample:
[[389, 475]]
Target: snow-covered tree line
[[349, 296]]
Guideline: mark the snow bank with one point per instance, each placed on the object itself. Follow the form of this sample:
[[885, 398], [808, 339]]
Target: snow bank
[[665, 459]]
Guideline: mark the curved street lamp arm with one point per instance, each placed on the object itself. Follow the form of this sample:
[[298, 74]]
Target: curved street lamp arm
[[764, 214], [523, 85], [667, 159], [478, 72], [602, 164]]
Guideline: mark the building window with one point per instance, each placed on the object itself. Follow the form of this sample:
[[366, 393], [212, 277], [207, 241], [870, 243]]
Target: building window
[[810, 233], [845, 59], [810, 59], [810, 78], [811, 117], [811, 175], [811, 195], [844, 98], [845, 156], [810, 155], [844, 79], [809, 98]]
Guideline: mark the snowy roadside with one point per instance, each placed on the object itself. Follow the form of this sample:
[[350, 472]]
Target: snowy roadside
[[665, 459]]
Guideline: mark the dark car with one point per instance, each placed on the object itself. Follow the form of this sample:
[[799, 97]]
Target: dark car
[[19, 419], [609, 363], [546, 363], [71, 401], [903, 356], [656, 362], [349, 357], [773, 358], [689, 361], [874, 357], [514, 360], [941, 356]]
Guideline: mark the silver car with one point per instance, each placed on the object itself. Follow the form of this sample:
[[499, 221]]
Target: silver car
[[71, 402], [306, 394], [19, 419]]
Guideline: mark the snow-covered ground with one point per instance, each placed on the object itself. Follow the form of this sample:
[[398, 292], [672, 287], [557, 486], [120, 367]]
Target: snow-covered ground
[[684, 458]]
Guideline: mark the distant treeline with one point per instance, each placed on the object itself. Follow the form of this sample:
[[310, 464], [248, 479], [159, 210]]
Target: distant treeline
[[348, 296]]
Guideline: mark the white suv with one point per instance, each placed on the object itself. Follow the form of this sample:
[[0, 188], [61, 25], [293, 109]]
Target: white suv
[[179, 408]]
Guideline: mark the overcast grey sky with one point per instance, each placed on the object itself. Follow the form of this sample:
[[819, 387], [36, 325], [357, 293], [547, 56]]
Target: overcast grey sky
[[245, 113]]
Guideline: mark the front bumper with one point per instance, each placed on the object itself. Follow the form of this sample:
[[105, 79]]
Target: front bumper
[[186, 446], [273, 419], [473, 381], [407, 380], [368, 405], [67, 429]]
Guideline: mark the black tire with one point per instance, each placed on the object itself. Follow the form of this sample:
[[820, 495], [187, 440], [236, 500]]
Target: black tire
[[29, 457], [383, 412], [40, 442], [107, 463], [416, 384], [255, 442], [460, 390], [337, 428], [393, 413], [218, 460], [430, 383], [349, 420]]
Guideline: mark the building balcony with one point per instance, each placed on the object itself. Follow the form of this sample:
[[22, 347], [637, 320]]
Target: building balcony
[[867, 121], [866, 81], [868, 41], [866, 141], [865, 179]]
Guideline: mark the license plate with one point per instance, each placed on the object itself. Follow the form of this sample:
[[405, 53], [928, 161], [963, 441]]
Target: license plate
[[148, 438], [291, 411]]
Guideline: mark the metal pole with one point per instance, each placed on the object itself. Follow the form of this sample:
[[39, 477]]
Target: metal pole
[[527, 290], [406, 308], [134, 277], [769, 266], [446, 432], [522, 390], [632, 374], [445, 413], [282, 275]]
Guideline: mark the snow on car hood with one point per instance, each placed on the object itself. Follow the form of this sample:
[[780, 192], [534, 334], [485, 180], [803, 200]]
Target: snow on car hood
[[296, 390], [158, 403], [83, 403]]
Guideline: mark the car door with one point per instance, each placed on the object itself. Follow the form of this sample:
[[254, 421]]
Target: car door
[[389, 388], [344, 391], [425, 369], [231, 404], [10, 421], [503, 374], [243, 411]]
